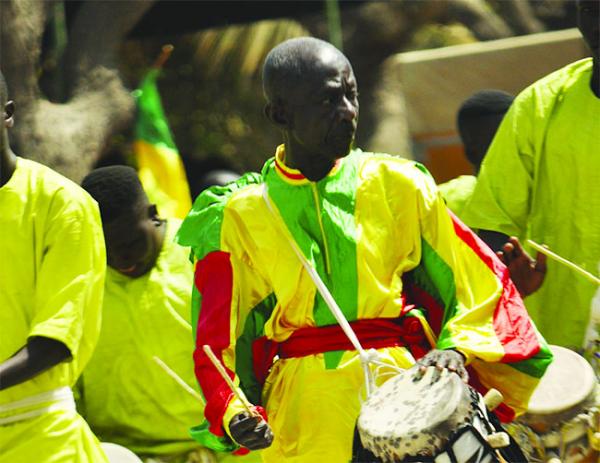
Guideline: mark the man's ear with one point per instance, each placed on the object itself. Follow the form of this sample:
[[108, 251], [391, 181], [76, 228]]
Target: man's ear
[[9, 111], [277, 114], [153, 213]]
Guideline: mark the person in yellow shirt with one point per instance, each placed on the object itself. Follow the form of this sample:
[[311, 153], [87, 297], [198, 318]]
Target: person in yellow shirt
[[126, 396], [52, 270], [477, 121], [539, 181]]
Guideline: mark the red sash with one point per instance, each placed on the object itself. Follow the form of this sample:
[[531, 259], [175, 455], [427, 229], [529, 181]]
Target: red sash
[[374, 333]]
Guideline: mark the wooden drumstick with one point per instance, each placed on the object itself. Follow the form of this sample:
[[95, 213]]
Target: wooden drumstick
[[221, 369], [178, 379], [565, 262]]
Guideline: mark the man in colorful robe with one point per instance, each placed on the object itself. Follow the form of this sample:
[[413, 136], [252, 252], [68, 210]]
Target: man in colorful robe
[[540, 181], [380, 237], [52, 267]]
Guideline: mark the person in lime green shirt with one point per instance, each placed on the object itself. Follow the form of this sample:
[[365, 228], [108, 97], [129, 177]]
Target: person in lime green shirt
[[477, 121], [126, 396], [540, 181], [52, 270]]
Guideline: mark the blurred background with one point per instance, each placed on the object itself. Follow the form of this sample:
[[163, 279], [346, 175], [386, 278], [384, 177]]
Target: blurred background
[[71, 67]]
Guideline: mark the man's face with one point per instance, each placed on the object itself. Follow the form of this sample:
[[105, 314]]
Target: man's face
[[588, 22], [323, 112], [132, 243]]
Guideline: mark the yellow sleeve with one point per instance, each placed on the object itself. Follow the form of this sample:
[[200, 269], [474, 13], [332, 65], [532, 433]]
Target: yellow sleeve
[[70, 280]]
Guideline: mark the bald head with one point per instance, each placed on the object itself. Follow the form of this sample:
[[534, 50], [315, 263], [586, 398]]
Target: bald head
[[293, 61]]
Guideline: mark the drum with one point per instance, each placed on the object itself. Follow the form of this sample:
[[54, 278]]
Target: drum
[[427, 421], [562, 420], [119, 454]]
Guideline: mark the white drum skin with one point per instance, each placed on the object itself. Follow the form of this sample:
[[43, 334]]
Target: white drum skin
[[119, 454]]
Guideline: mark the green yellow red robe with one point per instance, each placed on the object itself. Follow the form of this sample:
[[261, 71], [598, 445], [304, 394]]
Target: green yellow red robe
[[382, 240]]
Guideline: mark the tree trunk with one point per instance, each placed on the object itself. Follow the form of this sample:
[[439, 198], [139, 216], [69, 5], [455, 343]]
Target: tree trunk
[[67, 136]]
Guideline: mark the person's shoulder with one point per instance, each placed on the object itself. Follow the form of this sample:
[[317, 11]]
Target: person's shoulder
[[206, 215], [60, 191], [551, 86], [386, 166]]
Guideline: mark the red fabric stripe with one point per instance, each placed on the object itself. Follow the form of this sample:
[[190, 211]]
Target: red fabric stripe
[[418, 297], [288, 174], [213, 278], [511, 321]]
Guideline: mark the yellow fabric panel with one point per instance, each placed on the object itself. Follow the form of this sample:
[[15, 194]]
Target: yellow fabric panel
[[539, 180], [128, 398], [52, 272], [162, 174], [56, 437], [314, 410], [516, 387], [265, 250], [385, 214]]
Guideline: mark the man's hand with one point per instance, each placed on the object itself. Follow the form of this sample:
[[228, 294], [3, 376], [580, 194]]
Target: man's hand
[[252, 432], [452, 360], [526, 273]]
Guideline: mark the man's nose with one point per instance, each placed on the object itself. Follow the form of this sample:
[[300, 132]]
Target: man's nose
[[348, 110]]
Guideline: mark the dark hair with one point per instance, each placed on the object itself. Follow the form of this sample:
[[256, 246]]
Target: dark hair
[[116, 189], [484, 103]]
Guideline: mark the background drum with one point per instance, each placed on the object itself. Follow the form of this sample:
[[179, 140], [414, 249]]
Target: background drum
[[562, 420], [119, 454]]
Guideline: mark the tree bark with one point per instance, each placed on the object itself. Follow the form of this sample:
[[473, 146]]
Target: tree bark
[[67, 136]]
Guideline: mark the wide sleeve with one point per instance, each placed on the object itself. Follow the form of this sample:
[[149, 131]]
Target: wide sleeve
[[502, 197], [70, 278], [226, 289], [480, 312]]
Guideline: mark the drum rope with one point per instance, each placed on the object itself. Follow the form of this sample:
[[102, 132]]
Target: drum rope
[[367, 357]]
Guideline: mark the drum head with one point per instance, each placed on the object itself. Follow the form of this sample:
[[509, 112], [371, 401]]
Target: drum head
[[406, 418], [567, 384], [119, 454]]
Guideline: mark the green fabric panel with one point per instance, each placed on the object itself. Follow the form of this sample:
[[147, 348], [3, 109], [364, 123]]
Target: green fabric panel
[[151, 124], [207, 439], [296, 204], [195, 308], [437, 278], [201, 229], [253, 329], [535, 366]]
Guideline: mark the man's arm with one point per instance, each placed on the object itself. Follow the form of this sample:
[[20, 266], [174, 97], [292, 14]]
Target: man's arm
[[37, 356], [218, 317], [483, 316]]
